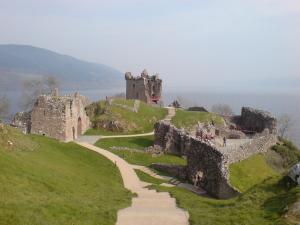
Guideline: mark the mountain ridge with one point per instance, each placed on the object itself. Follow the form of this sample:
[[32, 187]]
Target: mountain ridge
[[21, 62]]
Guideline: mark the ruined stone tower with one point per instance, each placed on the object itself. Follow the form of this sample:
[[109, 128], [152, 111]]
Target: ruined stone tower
[[60, 117], [145, 88]]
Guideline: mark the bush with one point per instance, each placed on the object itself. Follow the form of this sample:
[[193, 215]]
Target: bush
[[288, 151]]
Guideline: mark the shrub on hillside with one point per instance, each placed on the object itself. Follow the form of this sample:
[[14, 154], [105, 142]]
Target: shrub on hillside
[[288, 151]]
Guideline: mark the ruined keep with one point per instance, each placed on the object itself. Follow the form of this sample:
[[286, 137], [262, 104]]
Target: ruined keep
[[257, 120], [145, 88], [60, 117]]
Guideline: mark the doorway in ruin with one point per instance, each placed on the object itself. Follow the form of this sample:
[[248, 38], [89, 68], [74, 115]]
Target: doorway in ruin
[[79, 126], [73, 131]]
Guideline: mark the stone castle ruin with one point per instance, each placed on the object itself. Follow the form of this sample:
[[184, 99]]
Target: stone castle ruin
[[145, 88], [208, 160], [59, 117]]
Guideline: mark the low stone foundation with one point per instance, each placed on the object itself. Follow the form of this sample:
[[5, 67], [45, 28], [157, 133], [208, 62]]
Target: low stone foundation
[[174, 170]]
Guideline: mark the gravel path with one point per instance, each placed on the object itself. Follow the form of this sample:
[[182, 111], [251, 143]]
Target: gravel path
[[149, 207]]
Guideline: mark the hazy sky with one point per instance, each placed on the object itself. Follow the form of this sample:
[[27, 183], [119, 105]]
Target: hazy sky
[[209, 45]]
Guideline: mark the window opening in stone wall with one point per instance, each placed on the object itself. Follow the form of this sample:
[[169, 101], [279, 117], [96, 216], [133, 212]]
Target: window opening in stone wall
[[133, 86]]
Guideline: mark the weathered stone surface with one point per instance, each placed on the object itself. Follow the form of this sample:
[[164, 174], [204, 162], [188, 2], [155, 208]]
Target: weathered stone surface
[[145, 88], [155, 149], [170, 139], [22, 121], [257, 120], [60, 117], [208, 168], [207, 162], [173, 170], [294, 173]]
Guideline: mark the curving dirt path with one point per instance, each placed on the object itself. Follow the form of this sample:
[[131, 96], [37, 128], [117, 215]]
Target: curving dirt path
[[149, 207]]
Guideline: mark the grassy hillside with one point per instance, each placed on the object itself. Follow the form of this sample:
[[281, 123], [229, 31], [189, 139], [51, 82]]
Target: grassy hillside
[[265, 198], [44, 181], [266, 203], [249, 172], [188, 119], [138, 158], [128, 121]]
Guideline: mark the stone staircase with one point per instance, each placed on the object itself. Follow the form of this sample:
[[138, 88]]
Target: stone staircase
[[152, 208]]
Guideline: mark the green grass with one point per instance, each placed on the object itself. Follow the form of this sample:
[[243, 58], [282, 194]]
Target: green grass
[[138, 143], [289, 153], [264, 199], [138, 158], [249, 172], [49, 182], [147, 178], [131, 122], [265, 204], [188, 119]]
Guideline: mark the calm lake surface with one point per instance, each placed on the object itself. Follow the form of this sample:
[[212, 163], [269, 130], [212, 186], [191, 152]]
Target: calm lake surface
[[276, 104]]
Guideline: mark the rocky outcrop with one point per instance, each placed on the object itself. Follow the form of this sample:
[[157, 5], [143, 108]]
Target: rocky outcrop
[[257, 120]]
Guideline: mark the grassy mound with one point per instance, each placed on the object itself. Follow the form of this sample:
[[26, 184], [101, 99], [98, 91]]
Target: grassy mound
[[188, 119], [249, 172], [128, 122], [57, 183], [134, 157]]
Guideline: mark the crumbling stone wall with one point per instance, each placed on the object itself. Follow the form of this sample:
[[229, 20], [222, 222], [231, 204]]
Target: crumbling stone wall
[[207, 164], [22, 121], [171, 139], [60, 117], [145, 88], [207, 167], [256, 145], [257, 120]]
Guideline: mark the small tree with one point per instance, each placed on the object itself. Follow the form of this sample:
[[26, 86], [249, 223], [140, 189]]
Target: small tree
[[51, 83], [33, 88], [4, 107], [222, 109], [285, 124]]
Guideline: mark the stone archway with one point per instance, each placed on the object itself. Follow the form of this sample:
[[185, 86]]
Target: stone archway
[[79, 126]]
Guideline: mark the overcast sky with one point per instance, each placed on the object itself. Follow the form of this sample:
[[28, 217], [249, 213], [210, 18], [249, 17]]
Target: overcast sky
[[206, 45]]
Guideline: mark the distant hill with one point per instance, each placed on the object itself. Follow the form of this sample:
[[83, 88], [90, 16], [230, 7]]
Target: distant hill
[[20, 62]]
